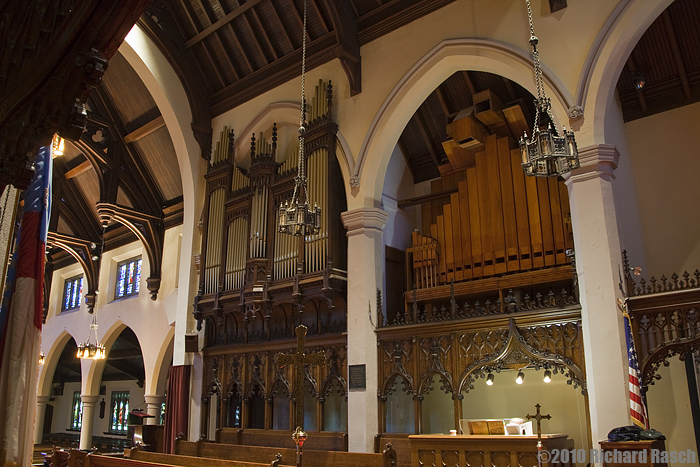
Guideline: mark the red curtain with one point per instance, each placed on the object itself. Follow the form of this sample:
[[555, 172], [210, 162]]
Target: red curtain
[[177, 403]]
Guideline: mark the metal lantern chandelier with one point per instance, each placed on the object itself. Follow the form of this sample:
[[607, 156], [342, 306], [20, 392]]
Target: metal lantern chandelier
[[296, 216], [547, 153], [94, 351]]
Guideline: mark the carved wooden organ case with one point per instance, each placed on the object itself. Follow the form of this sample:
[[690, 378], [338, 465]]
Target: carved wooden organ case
[[256, 284], [490, 282]]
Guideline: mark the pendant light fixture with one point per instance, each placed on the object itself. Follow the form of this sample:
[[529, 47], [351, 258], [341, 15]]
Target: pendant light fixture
[[547, 153], [296, 216]]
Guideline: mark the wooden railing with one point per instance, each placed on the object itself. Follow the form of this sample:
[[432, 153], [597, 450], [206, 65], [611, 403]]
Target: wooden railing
[[665, 318]]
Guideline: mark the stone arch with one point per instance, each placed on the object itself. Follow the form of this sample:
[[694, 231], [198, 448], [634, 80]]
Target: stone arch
[[166, 89], [52, 356], [156, 379], [448, 57], [93, 369], [606, 59]]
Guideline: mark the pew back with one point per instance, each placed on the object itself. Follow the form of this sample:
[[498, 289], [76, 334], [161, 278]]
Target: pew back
[[262, 454], [192, 461], [399, 442], [319, 441]]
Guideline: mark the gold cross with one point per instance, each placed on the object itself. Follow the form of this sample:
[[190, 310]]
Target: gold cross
[[299, 359], [539, 417]]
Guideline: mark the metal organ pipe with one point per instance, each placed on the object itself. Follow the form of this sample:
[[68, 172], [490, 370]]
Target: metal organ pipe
[[214, 235]]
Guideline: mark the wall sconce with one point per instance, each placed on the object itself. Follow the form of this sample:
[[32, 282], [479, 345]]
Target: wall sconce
[[520, 378], [489, 379]]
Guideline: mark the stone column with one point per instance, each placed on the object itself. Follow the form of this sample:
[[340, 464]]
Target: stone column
[[365, 275], [88, 420], [153, 404], [39, 420], [598, 262]]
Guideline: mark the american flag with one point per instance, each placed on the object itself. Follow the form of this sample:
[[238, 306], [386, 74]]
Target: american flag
[[20, 320], [638, 407]]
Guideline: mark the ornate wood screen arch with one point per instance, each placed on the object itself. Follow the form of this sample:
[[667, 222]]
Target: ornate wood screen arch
[[457, 352]]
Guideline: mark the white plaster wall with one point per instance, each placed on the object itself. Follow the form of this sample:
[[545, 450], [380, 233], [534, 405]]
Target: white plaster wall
[[663, 150], [150, 320], [62, 408], [669, 408], [506, 399]]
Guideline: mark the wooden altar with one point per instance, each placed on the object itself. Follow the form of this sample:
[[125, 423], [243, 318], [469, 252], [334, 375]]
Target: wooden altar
[[484, 450]]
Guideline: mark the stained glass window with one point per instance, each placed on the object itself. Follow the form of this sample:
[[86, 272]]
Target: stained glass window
[[128, 278], [77, 412], [162, 414], [120, 411], [72, 293]]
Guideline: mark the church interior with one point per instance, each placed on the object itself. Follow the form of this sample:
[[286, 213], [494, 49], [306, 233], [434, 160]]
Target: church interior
[[440, 288]]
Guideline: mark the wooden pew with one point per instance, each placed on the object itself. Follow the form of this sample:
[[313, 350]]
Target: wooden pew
[[137, 454], [319, 441], [399, 442], [261, 454]]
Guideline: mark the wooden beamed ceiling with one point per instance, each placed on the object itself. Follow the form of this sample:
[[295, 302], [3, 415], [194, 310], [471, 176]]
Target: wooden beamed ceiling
[[667, 57], [125, 157], [243, 49]]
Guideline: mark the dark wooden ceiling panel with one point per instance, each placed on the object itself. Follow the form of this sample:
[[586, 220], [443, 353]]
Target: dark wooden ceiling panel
[[131, 97], [163, 166], [267, 17], [668, 57], [686, 22], [123, 199], [63, 227], [363, 7], [89, 185]]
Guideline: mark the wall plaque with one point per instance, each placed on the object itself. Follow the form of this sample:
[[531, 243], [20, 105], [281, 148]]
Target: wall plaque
[[357, 378]]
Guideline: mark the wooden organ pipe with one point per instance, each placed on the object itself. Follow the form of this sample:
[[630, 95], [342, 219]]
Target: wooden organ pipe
[[215, 236], [498, 222], [235, 254]]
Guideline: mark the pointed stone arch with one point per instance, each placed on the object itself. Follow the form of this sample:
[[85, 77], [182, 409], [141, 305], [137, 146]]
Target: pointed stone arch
[[446, 58]]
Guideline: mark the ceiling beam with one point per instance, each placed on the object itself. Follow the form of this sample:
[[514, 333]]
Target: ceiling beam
[[423, 129], [282, 24], [286, 68], [222, 22], [155, 124], [347, 49], [258, 22], [677, 57], [78, 170]]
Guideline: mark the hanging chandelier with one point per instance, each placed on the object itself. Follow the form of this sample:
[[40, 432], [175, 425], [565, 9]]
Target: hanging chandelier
[[296, 216], [42, 358], [94, 351], [547, 153]]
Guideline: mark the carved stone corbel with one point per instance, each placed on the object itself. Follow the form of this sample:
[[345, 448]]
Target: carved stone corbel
[[88, 256], [149, 229]]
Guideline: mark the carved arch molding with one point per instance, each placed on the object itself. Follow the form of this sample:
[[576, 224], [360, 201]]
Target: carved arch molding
[[458, 358]]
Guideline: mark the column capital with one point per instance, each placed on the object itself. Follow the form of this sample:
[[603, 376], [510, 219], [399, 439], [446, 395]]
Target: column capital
[[358, 221], [597, 160], [42, 400], [89, 399], [154, 399]]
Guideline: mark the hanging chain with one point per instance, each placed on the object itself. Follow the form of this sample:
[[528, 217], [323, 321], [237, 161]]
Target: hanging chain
[[535, 54], [301, 173]]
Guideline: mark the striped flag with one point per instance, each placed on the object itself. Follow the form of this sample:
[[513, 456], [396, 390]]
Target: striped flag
[[638, 406], [20, 321]]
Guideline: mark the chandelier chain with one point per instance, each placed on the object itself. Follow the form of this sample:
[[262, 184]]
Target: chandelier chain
[[536, 59], [301, 174]]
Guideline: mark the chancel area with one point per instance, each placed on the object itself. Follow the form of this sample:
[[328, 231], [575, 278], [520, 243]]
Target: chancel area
[[353, 232]]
